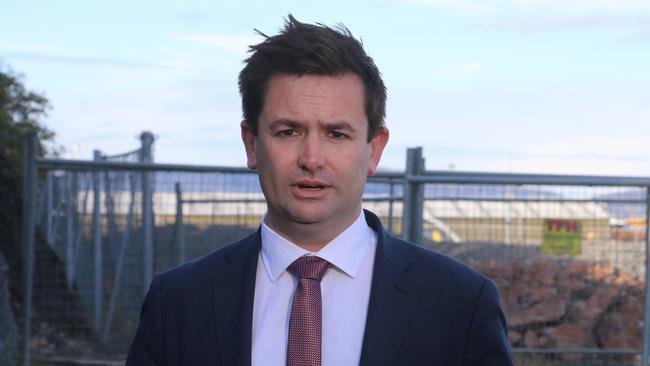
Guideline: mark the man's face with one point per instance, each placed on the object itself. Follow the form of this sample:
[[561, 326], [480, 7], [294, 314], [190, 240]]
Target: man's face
[[312, 151]]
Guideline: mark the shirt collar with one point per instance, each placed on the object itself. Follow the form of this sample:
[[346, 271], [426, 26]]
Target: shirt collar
[[345, 252]]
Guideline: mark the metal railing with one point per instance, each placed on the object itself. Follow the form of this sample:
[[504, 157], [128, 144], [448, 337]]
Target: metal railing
[[110, 225]]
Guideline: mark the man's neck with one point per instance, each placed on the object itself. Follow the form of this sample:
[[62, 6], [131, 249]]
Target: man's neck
[[311, 236]]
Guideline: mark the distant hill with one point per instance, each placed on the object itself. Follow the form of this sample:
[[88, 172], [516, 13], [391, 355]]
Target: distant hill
[[632, 203]]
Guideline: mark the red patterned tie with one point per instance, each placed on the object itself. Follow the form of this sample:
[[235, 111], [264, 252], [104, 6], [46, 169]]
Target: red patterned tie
[[305, 325]]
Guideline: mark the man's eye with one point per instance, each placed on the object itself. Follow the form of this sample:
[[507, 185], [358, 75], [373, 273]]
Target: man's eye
[[287, 133], [337, 135]]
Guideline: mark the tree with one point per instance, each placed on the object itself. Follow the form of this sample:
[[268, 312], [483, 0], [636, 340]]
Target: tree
[[20, 111]]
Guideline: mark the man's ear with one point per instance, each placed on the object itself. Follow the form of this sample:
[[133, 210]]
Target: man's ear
[[248, 136], [377, 145]]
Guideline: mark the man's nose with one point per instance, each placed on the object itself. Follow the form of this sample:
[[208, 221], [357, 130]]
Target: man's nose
[[311, 157]]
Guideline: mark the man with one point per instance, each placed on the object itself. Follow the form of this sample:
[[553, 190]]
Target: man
[[321, 282]]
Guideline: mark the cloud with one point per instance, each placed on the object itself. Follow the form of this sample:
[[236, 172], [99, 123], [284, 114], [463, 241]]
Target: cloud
[[580, 165], [641, 35], [56, 54], [235, 44], [560, 15], [594, 147], [193, 17], [464, 6], [585, 7], [471, 67], [464, 69], [549, 15], [556, 158], [83, 60]]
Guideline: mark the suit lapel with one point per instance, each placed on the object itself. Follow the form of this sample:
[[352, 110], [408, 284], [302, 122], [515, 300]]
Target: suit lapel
[[233, 289], [393, 298]]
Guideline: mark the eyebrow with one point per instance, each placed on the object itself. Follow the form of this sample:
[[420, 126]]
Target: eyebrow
[[284, 122], [338, 126], [342, 125]]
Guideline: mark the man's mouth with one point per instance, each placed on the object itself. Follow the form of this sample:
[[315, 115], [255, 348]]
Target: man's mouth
[[310, 187]]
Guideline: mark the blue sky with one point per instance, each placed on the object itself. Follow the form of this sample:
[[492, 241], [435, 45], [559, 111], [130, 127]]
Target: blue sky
[[545, 86]]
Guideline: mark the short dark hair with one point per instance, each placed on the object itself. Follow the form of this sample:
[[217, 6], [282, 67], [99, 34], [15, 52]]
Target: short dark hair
[[310, 49]]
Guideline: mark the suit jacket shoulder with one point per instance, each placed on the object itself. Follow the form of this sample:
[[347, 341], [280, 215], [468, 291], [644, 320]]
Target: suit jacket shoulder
[[437, 273], [427, 308], [200, 313], [216, 260]]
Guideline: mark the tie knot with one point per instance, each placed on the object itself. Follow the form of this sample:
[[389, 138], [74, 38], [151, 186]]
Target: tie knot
[[309, 267]]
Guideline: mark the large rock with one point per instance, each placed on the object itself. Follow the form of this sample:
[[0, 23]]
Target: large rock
[[587, 312], [522, 285], [548, 310], [622, 326], [567, 283], [567, 336], [534, 340], [514, 337], [569, 304], [8, 330]]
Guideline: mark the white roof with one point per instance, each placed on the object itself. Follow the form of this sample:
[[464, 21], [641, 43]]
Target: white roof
[[245, 203]]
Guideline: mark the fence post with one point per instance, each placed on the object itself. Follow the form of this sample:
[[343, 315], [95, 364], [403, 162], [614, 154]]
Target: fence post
[[97, 248], [109, 208], [146, 139], [49, 191], [70, 192], [119, 267], [646, 320], [180, 232], [29, 207], [413, 197]]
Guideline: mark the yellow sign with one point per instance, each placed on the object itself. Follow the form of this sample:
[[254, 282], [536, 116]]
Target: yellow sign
[[436, 236], [562, 237]]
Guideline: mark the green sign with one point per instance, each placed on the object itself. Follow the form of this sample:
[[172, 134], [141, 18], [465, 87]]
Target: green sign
[[562, 237]]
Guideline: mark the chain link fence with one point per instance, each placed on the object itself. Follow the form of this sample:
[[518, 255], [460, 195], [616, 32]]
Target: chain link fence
[[568, 254]]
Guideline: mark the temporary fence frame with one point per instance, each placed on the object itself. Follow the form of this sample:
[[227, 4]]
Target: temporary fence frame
[[413, 180]]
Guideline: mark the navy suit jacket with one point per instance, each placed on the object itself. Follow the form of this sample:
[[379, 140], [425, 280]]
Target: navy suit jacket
[[424, 309]]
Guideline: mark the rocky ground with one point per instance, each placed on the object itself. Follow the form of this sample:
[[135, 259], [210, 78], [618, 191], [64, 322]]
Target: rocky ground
[[569, 305]]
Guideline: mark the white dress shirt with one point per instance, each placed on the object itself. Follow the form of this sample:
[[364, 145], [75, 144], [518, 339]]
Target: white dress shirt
[[345, 289]]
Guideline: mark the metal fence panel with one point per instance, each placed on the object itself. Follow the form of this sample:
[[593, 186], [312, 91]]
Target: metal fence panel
[[585, 307], [592, 299]]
